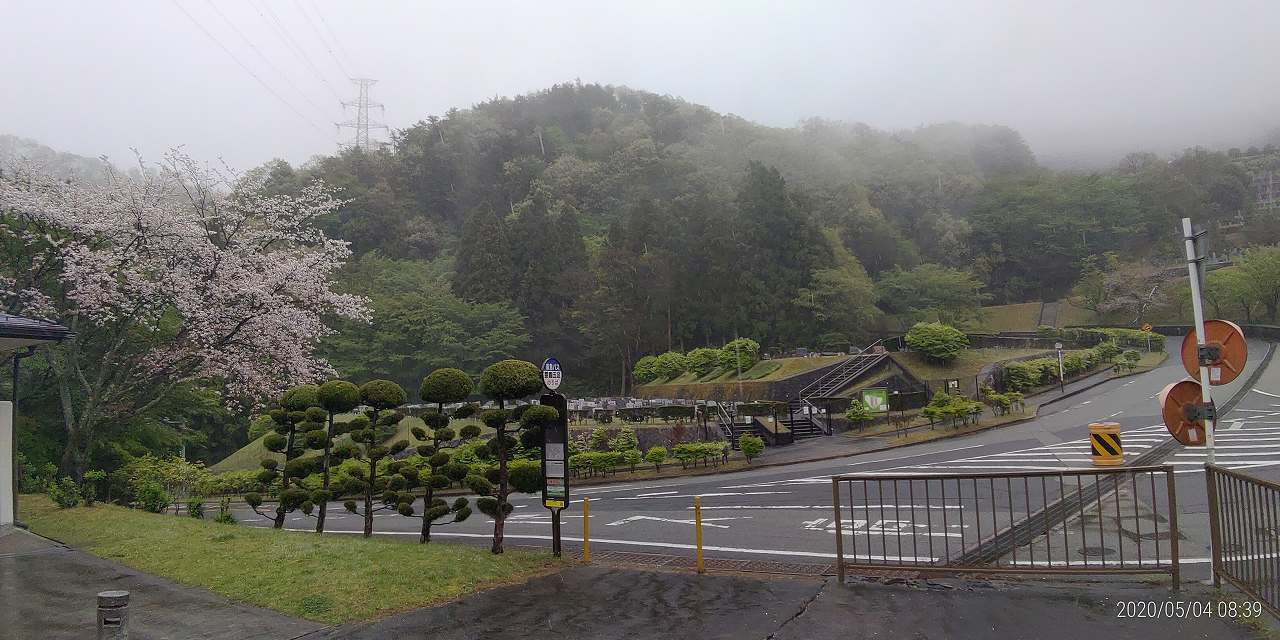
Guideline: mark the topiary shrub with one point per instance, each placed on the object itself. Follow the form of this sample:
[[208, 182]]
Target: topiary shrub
[[444, 386], [938, 342], [752, 446], [739, 355], [671, 364], [502, 382], [382, 394], [645, 370], [195, 508], [702, 361], [334, 397]]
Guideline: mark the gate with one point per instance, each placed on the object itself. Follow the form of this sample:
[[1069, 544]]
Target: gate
[[1244, 516], [1091, 521]]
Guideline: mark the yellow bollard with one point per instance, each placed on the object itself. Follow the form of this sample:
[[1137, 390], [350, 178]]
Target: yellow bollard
[[586, 530], [1104, 440], [697, 527]]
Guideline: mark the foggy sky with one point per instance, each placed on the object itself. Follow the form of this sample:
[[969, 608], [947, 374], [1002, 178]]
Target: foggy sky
[[1081, 80]]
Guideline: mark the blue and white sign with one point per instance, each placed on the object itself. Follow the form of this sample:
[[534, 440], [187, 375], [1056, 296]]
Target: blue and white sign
[[551, 375]]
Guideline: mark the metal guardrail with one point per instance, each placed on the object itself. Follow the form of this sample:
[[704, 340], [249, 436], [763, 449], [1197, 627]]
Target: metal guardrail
[[1078, 521], [1244, 524]]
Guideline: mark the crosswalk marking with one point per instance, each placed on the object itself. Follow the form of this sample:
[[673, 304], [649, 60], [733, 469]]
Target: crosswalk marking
[[1247, 445]]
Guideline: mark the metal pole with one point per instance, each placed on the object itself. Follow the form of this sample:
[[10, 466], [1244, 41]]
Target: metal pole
[[697, 527], [555, 532], [835, 503], [586, 530], [1197, 307], [1215, 526], [1062, 372]]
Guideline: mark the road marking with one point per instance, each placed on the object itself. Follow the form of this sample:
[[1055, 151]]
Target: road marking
[[656, 493], [706, 522], [1235, 425], [711, 495], [916, 455], [1115, 414], [1265, 393], [643, 543]]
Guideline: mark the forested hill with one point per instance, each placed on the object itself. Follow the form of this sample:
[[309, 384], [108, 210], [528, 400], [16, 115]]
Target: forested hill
[[601, 223]]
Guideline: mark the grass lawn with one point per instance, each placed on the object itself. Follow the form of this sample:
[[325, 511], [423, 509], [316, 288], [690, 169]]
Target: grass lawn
[[326, 578], [969, 363], [1022, 316]]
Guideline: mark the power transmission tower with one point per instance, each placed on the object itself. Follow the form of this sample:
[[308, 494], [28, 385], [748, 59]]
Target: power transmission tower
[[361, 123]]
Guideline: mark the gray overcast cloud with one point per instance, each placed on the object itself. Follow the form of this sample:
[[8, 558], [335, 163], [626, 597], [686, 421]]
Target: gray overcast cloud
[[1081, 80]]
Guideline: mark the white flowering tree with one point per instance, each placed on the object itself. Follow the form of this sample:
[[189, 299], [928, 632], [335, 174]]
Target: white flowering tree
[[177, 273]]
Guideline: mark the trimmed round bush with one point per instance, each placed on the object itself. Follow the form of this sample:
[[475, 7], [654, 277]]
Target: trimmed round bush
[[742, 353], [752, 446], [300, 397], [702, 361], [382, 394], [938, 342], [444, 386], [510, 380], [338, 396]]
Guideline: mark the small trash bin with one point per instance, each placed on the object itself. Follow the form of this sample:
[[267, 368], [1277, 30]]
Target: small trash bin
[[1104, 441]]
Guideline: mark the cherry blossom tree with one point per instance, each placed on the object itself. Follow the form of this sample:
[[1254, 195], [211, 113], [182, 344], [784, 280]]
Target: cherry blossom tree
[[173, 274]]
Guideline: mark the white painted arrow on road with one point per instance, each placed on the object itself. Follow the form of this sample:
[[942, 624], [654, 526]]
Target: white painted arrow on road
[[705, 521]]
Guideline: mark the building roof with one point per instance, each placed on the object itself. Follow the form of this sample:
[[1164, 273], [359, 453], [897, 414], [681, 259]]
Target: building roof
[[17, 332]]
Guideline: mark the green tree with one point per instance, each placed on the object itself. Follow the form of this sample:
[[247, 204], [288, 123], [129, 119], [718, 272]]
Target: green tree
[[485, 267], [938, 342], [703, 361], [1230, 294], [289, 420], [1261, 267], [913, 295], [842, 298], [671, 364], [646, 369], [739, 355], [503, 382], [656, 456], [858, 413], [380, 398], [335, 397], [752, 446]]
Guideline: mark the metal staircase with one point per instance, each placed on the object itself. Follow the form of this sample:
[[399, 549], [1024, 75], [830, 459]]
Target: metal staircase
[[801, 418], [724, 418]]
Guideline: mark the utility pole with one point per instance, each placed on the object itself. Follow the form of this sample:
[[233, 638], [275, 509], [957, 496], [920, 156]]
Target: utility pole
[[361, 123]]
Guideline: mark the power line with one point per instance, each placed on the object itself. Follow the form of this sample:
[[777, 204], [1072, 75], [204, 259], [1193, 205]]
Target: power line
[[293, 44], [265, 59], [333, 36], [245, 67], [321, 38]]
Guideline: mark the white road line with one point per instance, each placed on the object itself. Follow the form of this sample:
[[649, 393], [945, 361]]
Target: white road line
[[641, 543], [710, 495], [916, 455], [1265, 393], [655, 493]]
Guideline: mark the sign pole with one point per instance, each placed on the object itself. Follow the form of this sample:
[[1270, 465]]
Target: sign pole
[[1197, 307], [555, 456]]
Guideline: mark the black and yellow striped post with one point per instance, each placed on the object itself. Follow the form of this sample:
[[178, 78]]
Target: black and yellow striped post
[[1104, 440]]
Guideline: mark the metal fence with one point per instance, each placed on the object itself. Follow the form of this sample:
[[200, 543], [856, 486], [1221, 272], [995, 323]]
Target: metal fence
[[1244, 521], [1103, 521]]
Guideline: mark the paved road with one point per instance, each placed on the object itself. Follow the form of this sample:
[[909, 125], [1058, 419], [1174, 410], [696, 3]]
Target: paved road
[[784, 513]]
